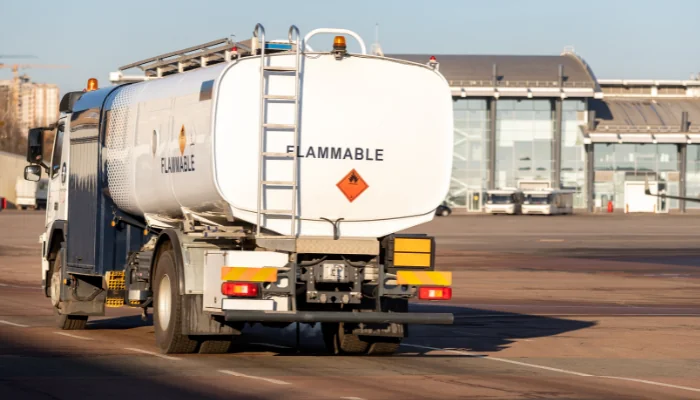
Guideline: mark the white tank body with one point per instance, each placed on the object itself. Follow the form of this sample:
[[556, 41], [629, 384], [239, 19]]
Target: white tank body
[[190, 141]]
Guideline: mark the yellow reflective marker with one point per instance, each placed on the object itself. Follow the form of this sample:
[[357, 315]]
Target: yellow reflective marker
[[243, 274], [411, 245], [424, 278], [412, 260]]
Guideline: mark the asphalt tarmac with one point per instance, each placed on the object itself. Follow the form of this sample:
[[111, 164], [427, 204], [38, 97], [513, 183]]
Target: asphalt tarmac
[[575, 307]]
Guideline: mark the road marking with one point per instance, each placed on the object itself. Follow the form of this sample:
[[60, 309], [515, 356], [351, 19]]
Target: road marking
[[3, 284], [524, 364], [278, 346], [238, 374], [13, 324], [652, 383], [352, 398], [73, 336], [535, 315], [552, 240], [150, 353], [558, 306]]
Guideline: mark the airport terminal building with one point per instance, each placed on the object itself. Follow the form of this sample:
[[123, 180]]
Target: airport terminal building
[[549, 119]]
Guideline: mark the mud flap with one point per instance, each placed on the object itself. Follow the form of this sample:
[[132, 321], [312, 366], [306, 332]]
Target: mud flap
[[196, 322]]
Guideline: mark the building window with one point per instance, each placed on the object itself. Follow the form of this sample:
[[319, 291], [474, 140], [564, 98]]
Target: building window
[[524, 132], [617, 163], [470, 157]]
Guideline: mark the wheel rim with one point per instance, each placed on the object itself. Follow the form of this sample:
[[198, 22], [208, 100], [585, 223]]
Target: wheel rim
[[164, 306], [55, 288]]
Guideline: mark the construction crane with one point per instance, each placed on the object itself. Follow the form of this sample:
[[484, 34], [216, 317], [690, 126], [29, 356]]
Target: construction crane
[[16, 80]]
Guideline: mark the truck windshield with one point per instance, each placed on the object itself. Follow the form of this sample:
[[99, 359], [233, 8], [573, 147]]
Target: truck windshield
[[500, 199], [539, 199]]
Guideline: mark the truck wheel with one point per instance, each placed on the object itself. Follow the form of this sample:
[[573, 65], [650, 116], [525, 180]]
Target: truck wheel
[[215, 346], [64, 322], [384, 347], [167, 308], [339, 342]]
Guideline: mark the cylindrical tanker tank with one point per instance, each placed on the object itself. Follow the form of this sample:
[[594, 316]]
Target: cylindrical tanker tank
[[374, 151]]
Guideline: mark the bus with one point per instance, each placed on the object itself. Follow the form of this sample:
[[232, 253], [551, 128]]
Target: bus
[[548, 202], [504, 201]]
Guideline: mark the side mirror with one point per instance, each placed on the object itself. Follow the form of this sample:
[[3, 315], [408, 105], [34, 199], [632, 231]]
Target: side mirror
[[32, 173], [35, 146]]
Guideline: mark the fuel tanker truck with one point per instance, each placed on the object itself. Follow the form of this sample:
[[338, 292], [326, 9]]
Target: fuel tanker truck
[[253, 182]]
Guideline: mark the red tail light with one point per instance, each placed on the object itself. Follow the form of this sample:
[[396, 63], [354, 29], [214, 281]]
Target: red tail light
[[3, 203], [435, 293], [239, 289]]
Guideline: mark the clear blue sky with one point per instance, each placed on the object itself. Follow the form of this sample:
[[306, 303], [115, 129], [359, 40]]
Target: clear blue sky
[[618, 38]]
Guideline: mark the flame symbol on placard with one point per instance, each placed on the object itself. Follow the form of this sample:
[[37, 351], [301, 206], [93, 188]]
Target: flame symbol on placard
[[183, 140]]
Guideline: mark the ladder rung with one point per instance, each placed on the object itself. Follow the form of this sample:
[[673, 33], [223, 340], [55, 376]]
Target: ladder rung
[[279, 97], [279, 183], [279, 126], [281, 155], [276, 212], [279, 69]]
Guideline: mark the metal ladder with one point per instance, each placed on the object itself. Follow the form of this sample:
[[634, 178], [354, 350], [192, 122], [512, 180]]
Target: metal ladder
[[262, 213]]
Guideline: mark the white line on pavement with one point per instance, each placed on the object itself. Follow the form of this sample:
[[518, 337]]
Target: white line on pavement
[[13, 324], [150, 353], [272, 345], [500, 359], [352, 398], [535, 315], [652, 383], [73, 336], [552, 240], [238, 374], [554, 369]]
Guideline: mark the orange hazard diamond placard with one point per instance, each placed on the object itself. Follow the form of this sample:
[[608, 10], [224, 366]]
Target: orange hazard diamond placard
[[352, 185]]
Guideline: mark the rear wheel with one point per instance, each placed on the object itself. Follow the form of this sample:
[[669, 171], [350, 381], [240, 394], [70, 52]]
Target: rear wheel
[[167, 310], [339, 342], [217, 346], [64, 322], [384, 347]]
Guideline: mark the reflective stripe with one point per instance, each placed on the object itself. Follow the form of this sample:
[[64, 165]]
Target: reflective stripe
[[412, 245], [424, 278], [243, 274], [412, 259]]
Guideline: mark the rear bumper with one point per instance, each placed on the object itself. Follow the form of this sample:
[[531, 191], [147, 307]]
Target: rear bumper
[[339, 316]]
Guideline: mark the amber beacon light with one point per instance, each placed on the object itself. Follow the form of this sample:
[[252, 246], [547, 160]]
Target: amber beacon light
[[91, 84], [339, 43]]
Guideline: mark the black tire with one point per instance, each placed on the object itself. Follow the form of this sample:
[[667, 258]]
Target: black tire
[[64, 322], [167, 320], [339, 342], [215, 346], [384, 347]]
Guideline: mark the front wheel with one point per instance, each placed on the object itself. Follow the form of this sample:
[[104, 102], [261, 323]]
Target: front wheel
[[167, 308], [63, 321]]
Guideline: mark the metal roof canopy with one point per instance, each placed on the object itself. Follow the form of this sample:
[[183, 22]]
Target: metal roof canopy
[[641, 137], [565, 75]]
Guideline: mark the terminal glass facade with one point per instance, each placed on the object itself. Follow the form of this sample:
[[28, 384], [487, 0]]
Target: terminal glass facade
[[470, 158], [524, 132], [692, 183], [573, 152], [617, 163]]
